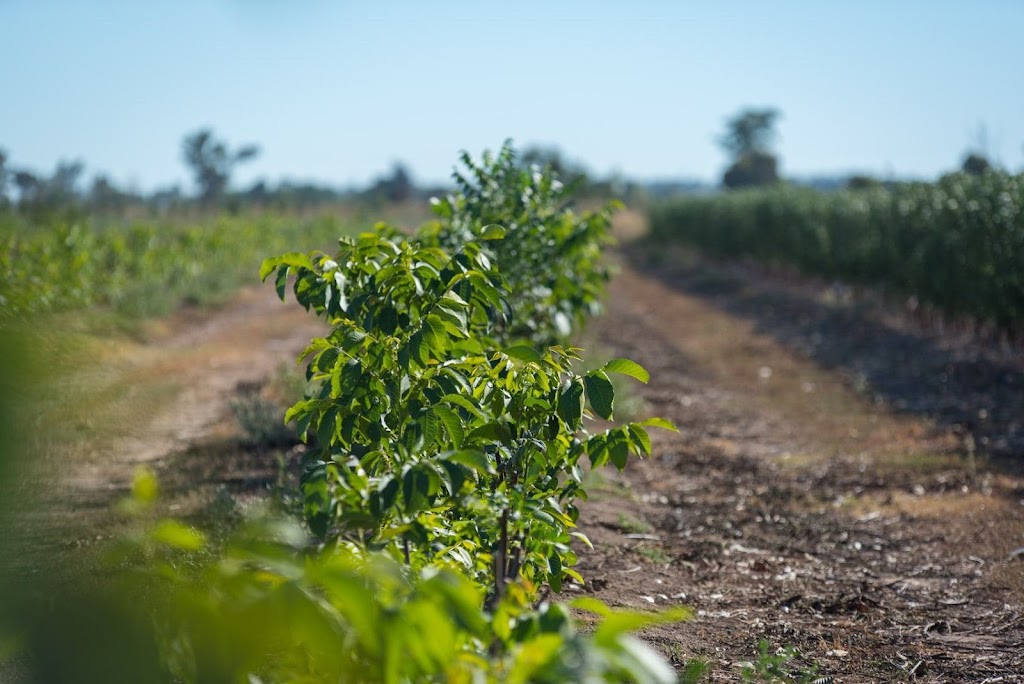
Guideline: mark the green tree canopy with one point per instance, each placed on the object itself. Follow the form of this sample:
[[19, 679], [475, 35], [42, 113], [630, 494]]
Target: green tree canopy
[[748, 140], [976, 164], [212, 163]]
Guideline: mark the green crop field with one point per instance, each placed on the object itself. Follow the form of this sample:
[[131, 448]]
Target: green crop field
[[142, 268], [957, 244]]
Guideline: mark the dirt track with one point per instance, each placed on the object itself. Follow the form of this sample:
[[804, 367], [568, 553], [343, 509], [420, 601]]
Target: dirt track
[[796, 504], [816, 496]]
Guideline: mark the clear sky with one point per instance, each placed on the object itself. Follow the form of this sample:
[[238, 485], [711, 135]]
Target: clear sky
[[336, 91]]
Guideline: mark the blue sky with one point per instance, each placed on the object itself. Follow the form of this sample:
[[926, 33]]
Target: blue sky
[[336, 91]]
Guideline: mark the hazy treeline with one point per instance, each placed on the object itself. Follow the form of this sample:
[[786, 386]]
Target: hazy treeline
[[68, 192], [748, 140]]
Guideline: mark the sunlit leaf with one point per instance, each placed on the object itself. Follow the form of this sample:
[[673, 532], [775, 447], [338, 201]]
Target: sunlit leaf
[[627, 367], [492, 232], [471, 458], [176, 535], [660, 423], [523, 352]]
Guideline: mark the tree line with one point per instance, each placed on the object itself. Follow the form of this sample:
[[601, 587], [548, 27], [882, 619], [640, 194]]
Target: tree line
[[212, 164], [749, 140]]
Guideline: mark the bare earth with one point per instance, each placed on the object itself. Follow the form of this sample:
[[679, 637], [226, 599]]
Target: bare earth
[[796, 505], [166, 402], [844, 481]]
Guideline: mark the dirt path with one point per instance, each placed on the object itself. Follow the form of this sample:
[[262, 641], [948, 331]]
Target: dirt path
[[796, 505], [164, 394]]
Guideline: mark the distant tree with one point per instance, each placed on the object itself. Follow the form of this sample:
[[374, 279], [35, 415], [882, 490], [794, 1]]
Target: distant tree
[[104, 196], [396, 187], [212, 163], [752, 170], [166, 199], [975, 164], [62, 187], [3, 177], [862, 182], [748, 140], [29, 186], [978, 157], [750, 131], [258, 193], [43, 198]]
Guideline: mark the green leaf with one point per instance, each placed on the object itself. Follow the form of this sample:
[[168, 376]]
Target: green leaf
[[555, 572], [645, 664], [660, 423], [624, 622], [416, 488], [452, 424], [350, 375], [641, 440], [492, 232], [570, 404], [296, 410], [281, 281], [178, 536], [293, 259], [597, 449], [430, 424], [618, 449], [463, 402], [583, 538], [490, 432], [627, 367], [591, 605], [145, 489], [456, 475], [471, 458], [388, 493], [600, 393], [523, 352]]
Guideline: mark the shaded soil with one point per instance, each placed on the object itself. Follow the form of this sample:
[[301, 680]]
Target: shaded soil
[[824, 492]]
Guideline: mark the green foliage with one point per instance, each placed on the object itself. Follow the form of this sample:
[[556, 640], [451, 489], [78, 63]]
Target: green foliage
[[976, 164], [751, 170], [267, 608], [750, 131], [211, 163], [748, 141], [439, 445], [447, 436], [776, 667], [142, 269], [551, 257], [957, 244]]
